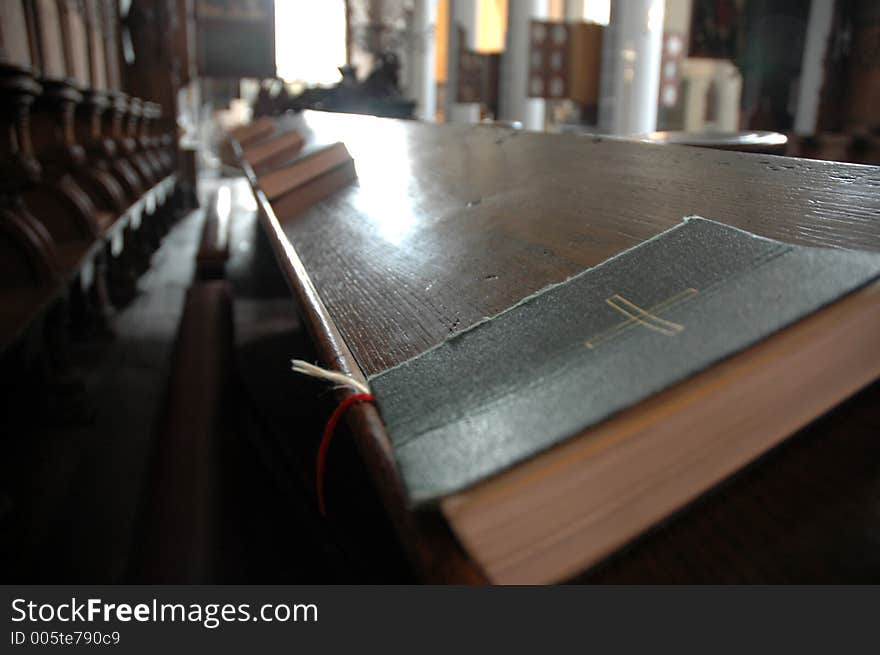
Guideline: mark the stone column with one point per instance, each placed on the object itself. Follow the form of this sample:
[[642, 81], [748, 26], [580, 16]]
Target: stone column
[[424, 84], [515, 105], [631, 52], [813, 66], [463, 13]]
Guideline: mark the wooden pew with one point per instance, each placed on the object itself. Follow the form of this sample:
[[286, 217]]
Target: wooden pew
[[31, 264], [484, 218], [130, 146], [265, 154], [42, 253], [59, 200], [214, 242], [159, 147], [251, 133], [306, 180], [107, 193], [179, 541], [145, 142], [293, 173], [67, 208], [108, 150]]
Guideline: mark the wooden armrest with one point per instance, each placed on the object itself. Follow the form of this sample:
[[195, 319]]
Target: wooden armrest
[[180, 518]]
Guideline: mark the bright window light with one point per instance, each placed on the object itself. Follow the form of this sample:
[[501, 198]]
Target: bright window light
[[597, 11], [309, 40]]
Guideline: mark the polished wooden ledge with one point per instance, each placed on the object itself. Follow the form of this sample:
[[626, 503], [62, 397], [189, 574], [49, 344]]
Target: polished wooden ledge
[[448, 224]]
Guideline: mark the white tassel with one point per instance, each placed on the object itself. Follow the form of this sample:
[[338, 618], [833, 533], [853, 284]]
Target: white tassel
[[339, 379]]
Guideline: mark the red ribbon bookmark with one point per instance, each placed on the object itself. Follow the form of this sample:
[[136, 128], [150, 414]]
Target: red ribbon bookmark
[[329, 429]]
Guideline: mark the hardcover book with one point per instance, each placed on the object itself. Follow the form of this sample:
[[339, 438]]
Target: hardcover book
[[563, 427]]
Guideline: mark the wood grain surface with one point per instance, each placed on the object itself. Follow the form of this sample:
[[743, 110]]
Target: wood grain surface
[[448, 224]]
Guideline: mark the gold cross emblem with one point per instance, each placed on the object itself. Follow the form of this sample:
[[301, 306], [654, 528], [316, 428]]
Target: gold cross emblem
[[636, 316]]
